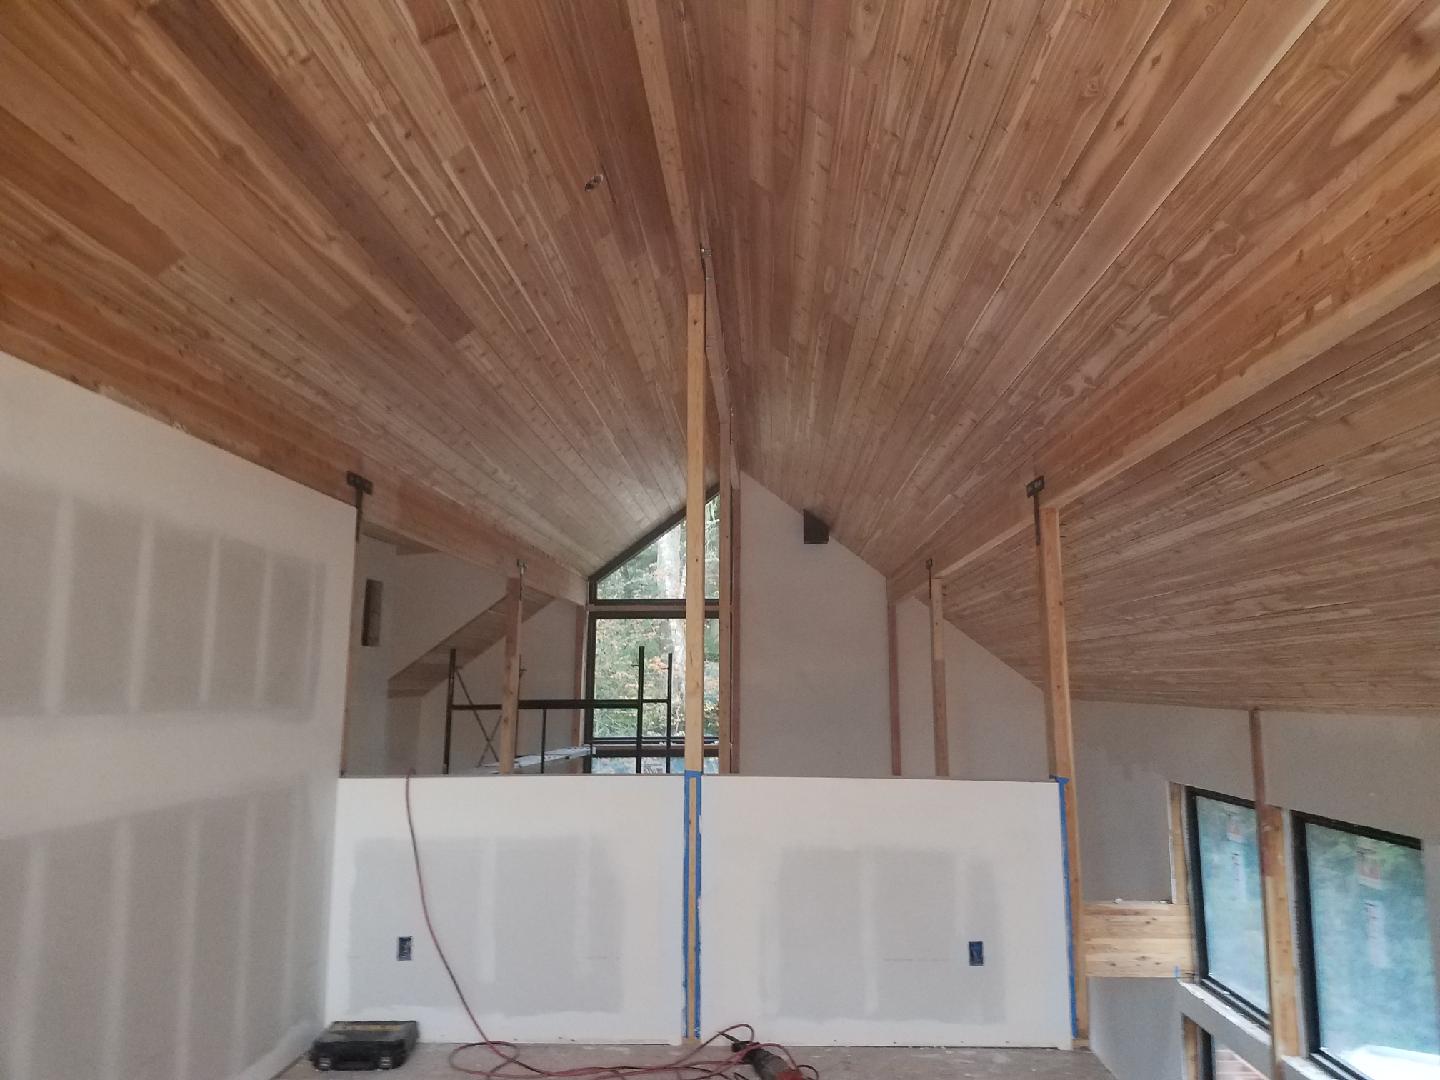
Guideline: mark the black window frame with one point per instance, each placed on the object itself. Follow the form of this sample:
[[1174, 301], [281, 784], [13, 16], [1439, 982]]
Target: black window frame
[[658, 602], [1230, 997], [1305, 931], [645, 608], [616, 746]]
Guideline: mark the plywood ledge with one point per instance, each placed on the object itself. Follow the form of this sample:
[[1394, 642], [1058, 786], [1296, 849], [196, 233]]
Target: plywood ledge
[[1138, 940]]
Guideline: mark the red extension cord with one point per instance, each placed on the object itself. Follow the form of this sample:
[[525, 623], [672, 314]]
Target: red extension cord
[[688, 1066]]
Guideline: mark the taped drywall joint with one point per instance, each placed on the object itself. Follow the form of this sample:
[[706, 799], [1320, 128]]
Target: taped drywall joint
[[1060, 784], [690, 909]]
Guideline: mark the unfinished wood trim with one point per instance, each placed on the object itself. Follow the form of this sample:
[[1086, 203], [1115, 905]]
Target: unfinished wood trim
[[716, 361], [1190, 1048], [352, 643], [727, 505], [695, 536], [1138, 940], [510, 701], [1280, 964], [1060, 738], [577, 719], [736, 623], [660, 97], [893, 649], [1179, 849], [938, 689], [694, 647]]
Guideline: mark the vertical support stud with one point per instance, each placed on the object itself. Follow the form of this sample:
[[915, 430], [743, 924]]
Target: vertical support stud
[[694, 647], [938, 688], [727, 506], [1060, 738], [1275, 893], [510, 702], [893, 648]]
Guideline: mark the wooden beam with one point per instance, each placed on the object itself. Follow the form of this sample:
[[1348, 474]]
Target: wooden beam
[[938, 688], [1060, 741], [717, 363], [1279, 929], [660, 97], [694, 646], [1179, 850], [510, 701], [737, 623], [582, 642], [727, 567], [893, 648], [1190, 1035], [695, 535]]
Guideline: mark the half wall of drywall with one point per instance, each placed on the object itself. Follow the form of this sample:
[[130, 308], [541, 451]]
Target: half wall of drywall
[[172, 668], [1369, 770], [833, 910], [557, 900], [851, 911]]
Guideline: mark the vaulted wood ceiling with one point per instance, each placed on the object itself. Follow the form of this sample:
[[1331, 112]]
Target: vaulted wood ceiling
[[1173, 254]]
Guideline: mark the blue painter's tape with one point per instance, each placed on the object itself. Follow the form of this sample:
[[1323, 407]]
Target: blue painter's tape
[[1060, 782], [691, 1025]]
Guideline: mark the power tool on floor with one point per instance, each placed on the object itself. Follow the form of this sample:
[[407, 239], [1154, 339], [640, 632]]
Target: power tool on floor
[[767, 1066]]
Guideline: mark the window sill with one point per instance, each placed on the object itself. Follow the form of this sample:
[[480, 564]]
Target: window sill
[[1294, 1068]]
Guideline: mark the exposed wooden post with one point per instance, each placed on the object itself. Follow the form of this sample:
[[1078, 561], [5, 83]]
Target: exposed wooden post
[[694, 648], [695, 539], [1061, 739], [577, 719], [1279, 930], [937, 674], [1179, 851], [893, 644], [1191, 1035], [737, 624], [510, 702], [727, 506]]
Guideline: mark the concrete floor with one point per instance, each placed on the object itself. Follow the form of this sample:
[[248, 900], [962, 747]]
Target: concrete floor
[[834, 1063]]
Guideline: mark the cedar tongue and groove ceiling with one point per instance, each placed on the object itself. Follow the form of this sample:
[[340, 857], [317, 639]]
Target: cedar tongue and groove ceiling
[[1182, 257]]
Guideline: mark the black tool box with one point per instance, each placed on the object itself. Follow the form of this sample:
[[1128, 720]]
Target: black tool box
[[364, 1045]]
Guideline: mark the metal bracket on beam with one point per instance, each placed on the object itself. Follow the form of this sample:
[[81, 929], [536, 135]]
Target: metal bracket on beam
[[362, 488], [1032, 492]]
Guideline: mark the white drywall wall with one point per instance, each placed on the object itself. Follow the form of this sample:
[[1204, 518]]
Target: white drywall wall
[[367, 726], [840, 911], [1370, 770], [996, 716], [557, 900], [814, 682], [429, 596], [814, 668], [172, 665]]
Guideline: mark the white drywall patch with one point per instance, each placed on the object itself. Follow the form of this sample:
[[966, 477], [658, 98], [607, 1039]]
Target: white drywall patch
[[557, 900], [841, 911]]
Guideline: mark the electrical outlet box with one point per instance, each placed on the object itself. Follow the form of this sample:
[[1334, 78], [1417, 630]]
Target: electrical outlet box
[[403, 949], [977, 954]]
